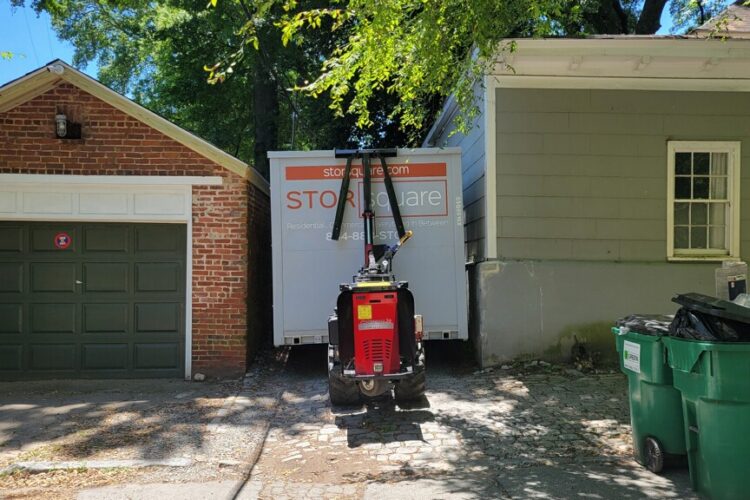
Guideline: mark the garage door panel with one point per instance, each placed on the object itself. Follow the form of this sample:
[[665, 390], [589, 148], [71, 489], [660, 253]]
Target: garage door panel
[[11, 318], [157, 318], [157, 356], [104, 356], [11, 357], [99, 239], [11, 239], [105, 277], [11, 277], [43, 239], [53, 356], [110, 305], [53, 318], [158, 277], [105, 318], [53, 277], [162, 238]]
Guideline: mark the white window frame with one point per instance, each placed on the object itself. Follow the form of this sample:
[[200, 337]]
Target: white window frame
[[732, 148]]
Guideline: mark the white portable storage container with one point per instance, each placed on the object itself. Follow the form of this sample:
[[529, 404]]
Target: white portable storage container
[[308, 266]]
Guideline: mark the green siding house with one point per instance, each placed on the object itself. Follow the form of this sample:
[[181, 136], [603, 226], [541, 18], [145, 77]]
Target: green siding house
[[602, 176]]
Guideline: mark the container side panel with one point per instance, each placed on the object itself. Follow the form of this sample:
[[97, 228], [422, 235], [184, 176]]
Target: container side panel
[[309, 266]]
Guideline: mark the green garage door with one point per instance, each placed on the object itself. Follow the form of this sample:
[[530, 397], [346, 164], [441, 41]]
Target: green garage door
[[91, 300]]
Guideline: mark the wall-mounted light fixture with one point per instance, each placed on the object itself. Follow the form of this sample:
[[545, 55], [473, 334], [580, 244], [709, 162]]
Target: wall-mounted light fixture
[[61, 125], [65, 129]]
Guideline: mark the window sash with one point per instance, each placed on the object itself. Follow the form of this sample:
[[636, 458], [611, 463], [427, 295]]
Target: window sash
[[728, 170]]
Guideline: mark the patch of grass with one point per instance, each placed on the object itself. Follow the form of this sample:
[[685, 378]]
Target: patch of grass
[[44, 452], [59, 483]]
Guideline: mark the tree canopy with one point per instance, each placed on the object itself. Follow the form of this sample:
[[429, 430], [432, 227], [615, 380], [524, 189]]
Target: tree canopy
[[256, 75], [418, 49]]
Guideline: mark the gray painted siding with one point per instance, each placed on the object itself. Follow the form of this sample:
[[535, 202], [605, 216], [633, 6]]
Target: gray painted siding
[[473, 180], [581, 174]]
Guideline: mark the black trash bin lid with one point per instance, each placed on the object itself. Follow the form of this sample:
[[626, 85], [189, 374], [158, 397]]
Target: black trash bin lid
[[713, 306], [648, 324]]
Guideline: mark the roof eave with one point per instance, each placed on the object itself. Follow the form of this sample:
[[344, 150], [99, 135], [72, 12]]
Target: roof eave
[[39, 81]]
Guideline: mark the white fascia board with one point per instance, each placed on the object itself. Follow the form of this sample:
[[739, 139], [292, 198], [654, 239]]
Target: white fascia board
[[442, 121], [629, 63], [140, 180], [490, 164], [331, 154], [28, 86], [189, 288], [650, 46], [622, 83]]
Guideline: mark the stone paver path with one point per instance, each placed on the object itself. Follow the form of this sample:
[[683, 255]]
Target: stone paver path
[[490, 434]]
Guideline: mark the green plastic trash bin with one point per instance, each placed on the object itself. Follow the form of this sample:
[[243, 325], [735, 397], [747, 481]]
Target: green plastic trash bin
[[655, 405], [714, 379]]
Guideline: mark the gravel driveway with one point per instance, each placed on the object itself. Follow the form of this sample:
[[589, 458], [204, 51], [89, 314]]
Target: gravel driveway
[[129, 431], [98, 420], [531, 431]]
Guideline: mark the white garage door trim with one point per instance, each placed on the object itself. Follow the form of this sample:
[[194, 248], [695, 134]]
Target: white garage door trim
[[109, 198]]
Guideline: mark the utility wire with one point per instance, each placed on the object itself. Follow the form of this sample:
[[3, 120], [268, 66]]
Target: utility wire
[[49, 40], [31, 39]]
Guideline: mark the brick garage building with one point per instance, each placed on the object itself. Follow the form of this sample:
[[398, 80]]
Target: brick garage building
[[134, 250]]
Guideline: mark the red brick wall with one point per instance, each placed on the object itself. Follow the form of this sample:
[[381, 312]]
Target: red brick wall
[[114, 143]]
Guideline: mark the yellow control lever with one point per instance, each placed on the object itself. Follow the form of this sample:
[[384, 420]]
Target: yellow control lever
[[405, 237]]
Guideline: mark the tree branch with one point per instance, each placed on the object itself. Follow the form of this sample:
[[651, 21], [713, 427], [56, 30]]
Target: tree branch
[[649, 20], [609, 18], [621, 16]]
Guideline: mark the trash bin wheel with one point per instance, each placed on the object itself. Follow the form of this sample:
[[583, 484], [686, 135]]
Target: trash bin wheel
[[653, 455]]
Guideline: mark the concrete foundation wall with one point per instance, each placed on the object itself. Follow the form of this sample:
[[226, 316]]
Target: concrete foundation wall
[[536, 308]]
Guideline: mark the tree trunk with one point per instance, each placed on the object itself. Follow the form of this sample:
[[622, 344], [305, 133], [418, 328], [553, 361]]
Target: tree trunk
[[649, 21], [609, 18], [266, 111]]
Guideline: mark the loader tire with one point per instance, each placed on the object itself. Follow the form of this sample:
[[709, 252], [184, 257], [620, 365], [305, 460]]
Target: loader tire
[[412, 388], [341, 391]]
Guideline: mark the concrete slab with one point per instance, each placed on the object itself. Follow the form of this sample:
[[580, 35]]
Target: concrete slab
[[103, 420], [424, 489], [604, 481], [46, 466], [167, 491]]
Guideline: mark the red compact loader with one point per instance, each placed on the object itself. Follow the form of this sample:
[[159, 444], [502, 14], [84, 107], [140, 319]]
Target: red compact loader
[[375, 339]]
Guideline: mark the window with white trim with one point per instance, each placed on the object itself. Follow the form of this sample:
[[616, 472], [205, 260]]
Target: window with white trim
[[703, 200]]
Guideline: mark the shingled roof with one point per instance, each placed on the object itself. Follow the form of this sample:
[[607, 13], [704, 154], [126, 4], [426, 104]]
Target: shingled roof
[[732, 22]]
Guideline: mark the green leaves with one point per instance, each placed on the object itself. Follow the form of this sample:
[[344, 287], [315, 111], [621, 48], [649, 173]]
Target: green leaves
[[414, 49], [291, 25], [381, 65]]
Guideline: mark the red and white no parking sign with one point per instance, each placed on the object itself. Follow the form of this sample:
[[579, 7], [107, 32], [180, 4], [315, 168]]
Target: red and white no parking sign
[[63, 240]]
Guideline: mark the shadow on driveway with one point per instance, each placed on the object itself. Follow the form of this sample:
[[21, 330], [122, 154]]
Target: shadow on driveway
[[112, 419], [540, 432]]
